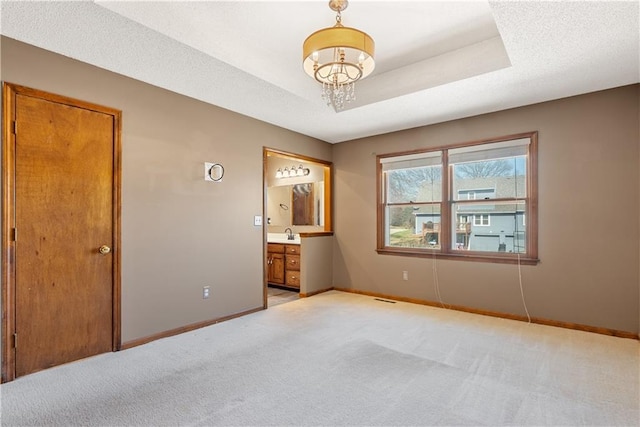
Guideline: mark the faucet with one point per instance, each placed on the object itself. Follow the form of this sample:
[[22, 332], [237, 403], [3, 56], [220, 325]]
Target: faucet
[[290, 235]]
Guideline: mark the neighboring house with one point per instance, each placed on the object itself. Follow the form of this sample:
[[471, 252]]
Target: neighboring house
[[485, 227]]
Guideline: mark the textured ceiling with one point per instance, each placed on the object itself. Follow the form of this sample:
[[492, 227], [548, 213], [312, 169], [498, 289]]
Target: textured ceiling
[[435, 61]]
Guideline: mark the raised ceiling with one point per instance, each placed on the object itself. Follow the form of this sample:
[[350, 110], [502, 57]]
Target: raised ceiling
[[435, 61]]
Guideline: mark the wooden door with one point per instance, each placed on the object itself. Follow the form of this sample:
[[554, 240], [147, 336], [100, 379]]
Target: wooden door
[[66, 290]]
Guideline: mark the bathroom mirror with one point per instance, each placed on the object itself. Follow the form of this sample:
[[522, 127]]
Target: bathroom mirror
[[303, 203], [297, 192]]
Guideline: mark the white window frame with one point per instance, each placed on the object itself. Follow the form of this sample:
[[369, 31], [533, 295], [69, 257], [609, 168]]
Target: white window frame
[[481, 218]]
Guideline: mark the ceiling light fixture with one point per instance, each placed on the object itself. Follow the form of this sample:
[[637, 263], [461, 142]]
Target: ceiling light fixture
[[337, 57]]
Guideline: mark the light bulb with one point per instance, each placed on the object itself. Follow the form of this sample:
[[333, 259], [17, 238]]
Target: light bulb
[[279, 173]]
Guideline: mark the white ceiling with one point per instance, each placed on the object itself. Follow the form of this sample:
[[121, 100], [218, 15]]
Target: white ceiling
[[435, 60]]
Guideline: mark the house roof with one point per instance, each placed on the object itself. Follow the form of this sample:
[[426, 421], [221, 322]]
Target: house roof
[[503, 187]]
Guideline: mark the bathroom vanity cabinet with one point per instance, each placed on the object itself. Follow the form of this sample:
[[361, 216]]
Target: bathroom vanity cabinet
[[283, 262]]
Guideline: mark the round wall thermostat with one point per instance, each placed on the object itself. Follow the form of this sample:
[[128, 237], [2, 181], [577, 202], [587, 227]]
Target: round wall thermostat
[[216, 172]]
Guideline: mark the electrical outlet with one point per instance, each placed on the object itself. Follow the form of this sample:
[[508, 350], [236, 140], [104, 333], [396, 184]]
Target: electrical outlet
[[206, 291], [257, 220], [405, 275]]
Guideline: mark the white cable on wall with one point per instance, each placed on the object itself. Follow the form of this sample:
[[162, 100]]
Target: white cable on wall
[[515, 182], [436, 281], [524, 303]]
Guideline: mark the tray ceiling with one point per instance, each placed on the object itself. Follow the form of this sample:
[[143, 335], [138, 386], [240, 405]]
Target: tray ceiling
[[435, 61]]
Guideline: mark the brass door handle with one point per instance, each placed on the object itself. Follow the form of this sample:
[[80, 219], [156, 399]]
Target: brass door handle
[[104, 249]]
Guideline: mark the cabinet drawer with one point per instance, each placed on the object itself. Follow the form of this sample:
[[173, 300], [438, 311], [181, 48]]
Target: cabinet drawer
[[293, 279], [293, 249], [292, 262], [275, 248]]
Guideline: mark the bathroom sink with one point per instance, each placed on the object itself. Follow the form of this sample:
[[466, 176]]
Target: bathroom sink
[[282, 238]]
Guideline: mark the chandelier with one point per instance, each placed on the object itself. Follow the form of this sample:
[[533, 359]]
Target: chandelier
[[337, 57]]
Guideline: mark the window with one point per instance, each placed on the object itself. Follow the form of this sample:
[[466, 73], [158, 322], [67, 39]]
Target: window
[[467, 201], [414, 199], [481, 219]]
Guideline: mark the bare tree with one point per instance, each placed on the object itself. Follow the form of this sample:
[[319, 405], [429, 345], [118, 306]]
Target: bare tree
[[406, 184], [484, 169], [411, 185]]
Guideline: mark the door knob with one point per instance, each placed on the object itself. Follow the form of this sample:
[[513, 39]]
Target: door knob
[[104, 249]]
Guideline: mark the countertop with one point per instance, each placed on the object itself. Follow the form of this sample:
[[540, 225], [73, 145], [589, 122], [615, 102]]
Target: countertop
[[282, 238]]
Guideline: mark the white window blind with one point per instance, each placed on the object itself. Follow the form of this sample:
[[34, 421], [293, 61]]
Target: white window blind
[[497, 150], [411, 161]]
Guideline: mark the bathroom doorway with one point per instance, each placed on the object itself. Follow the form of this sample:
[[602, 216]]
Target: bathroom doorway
[[297, 205]]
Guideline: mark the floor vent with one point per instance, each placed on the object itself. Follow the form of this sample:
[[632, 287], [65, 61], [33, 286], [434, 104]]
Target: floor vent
[[385, 300]]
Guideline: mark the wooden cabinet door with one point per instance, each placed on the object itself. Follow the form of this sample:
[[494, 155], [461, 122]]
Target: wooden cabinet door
[[276, 268]]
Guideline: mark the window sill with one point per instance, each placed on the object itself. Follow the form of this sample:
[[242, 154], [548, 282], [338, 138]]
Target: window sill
[[491, 258]]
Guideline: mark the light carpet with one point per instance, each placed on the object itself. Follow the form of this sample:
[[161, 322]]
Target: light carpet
[[344, 359]]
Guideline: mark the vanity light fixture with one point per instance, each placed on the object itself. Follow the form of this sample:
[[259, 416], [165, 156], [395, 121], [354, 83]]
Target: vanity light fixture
[[293, 172]]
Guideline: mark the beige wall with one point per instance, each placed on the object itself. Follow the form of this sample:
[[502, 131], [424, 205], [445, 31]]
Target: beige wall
[[588, 215], [179, 233], [316, 264]]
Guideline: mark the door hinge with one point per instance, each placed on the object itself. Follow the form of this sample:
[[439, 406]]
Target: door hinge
[[14, 236], [15, 127], [15, 340]]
